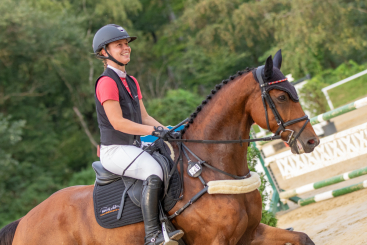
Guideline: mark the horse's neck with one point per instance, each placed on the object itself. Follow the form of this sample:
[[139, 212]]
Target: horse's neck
[[224, 118]]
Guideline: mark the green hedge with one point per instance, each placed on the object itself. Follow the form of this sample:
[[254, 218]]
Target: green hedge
[[314, 100]]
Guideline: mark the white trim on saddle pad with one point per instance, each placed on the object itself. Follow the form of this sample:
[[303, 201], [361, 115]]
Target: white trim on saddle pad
[[171, 149], [235, 186]]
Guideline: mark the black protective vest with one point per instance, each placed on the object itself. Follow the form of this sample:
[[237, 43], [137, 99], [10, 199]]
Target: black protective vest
[[130, 110]]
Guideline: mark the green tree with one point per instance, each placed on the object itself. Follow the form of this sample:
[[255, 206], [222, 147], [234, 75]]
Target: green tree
[[176, 106], [10, 136], [315, 35], [35, 44]]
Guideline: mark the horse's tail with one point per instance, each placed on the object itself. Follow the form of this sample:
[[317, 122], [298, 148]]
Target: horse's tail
[[7, 233]]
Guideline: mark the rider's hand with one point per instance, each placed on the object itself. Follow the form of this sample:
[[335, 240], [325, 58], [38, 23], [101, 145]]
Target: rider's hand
[[160, 132], [165, 134]]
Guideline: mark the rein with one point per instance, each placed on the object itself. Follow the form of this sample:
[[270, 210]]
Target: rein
[[240, 141]]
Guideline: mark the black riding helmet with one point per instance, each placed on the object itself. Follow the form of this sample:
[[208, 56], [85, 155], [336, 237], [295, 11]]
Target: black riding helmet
[[108, 34]]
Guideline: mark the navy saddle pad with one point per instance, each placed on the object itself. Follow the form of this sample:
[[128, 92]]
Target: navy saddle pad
[[108, 191], [107, 200]]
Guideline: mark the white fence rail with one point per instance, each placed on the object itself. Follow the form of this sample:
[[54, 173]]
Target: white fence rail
[[332, 149], [324, 90]]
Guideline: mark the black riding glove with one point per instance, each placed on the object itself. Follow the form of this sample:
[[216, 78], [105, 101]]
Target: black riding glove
[[161, 133], [165, 134]]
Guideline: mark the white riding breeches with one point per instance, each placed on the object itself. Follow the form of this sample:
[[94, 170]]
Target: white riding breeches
[[115, 158]]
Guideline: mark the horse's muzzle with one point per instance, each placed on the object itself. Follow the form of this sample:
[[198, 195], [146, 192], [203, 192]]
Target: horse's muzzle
[[305, 146]]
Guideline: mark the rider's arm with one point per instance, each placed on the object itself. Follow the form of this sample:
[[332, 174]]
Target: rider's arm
[[148, 120], [114, 115]]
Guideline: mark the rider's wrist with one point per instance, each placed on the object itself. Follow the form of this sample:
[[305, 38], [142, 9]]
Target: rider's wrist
[[151, 130]]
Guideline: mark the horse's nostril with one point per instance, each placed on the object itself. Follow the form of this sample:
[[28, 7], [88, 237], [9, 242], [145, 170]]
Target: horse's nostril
[[311, 142]]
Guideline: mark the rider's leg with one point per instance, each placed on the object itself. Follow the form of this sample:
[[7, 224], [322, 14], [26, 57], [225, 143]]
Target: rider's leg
[[149, 205], [115, 159]]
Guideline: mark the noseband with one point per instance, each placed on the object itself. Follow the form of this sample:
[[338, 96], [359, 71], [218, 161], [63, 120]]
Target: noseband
[[266, 99]]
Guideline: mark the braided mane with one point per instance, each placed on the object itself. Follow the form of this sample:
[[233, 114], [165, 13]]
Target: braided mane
[[216, 88]]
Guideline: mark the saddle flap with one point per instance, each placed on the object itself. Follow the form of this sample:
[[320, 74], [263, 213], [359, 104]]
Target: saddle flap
[[135, 190], [166, 168], [103, 176]]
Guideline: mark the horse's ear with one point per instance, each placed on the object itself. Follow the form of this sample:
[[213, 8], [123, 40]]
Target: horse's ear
[[278, 59], [268, 70]]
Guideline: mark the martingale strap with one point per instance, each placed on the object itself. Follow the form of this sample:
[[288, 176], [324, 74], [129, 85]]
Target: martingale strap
[[192, 200], [201, 162], [206, 187]]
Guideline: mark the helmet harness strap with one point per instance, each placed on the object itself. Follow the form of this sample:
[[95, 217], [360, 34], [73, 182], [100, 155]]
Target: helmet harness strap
[[110, 57]]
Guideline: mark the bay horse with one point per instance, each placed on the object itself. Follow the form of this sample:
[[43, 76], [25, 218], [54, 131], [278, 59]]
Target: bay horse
[[67, 216]]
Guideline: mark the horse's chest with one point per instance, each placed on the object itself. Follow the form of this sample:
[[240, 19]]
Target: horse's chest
[[218, 219]]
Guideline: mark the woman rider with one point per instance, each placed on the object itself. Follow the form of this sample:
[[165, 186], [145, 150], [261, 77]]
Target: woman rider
[[122, 118]]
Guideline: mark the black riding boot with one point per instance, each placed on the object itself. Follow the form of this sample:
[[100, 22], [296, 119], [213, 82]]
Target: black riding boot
[[149, 206]]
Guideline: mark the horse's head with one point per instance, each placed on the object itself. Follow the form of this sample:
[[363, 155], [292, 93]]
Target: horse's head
[[278, 107]]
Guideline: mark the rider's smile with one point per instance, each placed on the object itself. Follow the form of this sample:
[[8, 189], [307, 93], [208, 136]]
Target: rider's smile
[[120, 50]]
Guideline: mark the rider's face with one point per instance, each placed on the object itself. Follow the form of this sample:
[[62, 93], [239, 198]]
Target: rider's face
[[120, 50]]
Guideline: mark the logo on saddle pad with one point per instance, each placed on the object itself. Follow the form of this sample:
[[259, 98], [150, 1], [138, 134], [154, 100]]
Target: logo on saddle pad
[[107, 210]]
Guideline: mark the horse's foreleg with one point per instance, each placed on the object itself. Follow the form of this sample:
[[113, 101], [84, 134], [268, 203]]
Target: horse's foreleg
[[268, 235]]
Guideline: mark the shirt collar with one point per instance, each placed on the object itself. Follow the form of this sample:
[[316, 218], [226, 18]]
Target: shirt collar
[[120, 73]]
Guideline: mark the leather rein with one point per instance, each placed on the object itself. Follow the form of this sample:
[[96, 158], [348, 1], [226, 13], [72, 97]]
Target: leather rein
[[195, 168]]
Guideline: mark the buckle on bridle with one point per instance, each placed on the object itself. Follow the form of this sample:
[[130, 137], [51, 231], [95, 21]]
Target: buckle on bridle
[[290, 137]]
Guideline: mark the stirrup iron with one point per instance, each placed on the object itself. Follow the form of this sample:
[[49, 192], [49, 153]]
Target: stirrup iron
[[167, 240]]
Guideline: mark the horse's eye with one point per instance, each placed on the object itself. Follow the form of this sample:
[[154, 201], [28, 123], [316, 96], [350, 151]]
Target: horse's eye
[[282, 98]]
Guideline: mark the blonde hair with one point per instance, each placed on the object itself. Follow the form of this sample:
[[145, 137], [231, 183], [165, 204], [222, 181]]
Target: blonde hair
[[104, 64], [104, 61]]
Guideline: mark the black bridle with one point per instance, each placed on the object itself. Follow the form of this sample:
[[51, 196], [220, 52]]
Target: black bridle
[[266, 99]]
